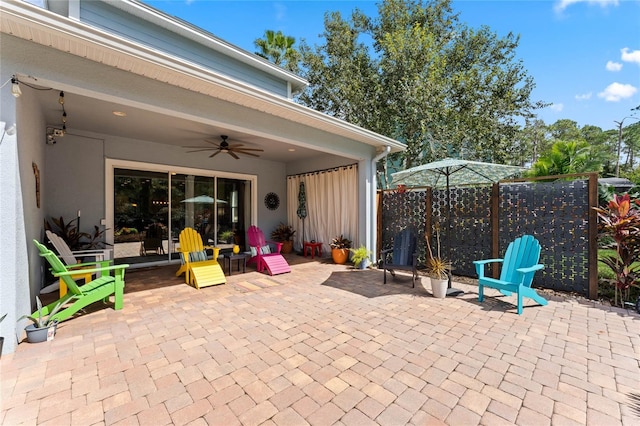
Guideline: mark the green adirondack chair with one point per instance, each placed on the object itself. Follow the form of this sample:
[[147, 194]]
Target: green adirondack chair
[[78, 297], [519, 264]]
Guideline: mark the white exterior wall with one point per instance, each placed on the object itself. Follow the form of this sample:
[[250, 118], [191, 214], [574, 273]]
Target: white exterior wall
[[20, 218]]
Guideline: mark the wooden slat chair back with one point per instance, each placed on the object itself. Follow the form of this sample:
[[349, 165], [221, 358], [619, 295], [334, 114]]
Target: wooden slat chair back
[[73, 258], [518, 268], [198, 269], [110, 282], [403, 256], [263, 256]]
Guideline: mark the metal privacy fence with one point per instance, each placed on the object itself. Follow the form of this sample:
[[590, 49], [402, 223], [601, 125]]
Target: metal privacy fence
[[484, 220]]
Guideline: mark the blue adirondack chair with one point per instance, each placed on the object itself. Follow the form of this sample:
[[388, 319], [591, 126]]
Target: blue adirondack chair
[[402, 256], [519, 264]]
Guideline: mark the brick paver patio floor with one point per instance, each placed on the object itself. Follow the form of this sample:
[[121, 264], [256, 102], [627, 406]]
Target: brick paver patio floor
[[326, 345]]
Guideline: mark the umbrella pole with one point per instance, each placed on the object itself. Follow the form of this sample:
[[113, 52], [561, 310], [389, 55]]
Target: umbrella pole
[[450, 290]]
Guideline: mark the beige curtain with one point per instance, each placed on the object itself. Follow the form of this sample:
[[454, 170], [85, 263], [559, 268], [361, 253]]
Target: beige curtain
[[332, 205]]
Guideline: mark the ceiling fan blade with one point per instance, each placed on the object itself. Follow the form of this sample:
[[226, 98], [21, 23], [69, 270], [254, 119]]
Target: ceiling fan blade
[[201, 149], [214, 154], [249, 149], [212, 142], [233, 154], [247, 153]]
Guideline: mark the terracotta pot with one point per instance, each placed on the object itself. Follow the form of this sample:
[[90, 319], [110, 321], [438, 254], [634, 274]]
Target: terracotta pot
[[340, 256], [287, 247]]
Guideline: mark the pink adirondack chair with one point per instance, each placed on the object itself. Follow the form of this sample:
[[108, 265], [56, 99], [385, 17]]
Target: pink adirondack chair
[[262, 256]]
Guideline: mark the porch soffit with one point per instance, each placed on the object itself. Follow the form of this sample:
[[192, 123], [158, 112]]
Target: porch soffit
[[32, 23]]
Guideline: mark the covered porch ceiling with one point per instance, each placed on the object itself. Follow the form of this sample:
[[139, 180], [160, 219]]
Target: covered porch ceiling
[[87, 114]]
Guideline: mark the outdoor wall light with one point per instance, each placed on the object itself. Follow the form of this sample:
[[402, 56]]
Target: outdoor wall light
[[15, 88]]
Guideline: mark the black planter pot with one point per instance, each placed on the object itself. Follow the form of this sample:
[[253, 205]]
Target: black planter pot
[[37, 335]]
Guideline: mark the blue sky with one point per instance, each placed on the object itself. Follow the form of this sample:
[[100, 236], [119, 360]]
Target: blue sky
[[584, 55]]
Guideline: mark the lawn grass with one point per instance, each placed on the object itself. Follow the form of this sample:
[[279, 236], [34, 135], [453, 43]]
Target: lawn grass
[[604, 272]]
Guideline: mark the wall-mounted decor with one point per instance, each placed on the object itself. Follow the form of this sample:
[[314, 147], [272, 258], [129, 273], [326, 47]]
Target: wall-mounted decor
[[272, 201], [36, 172]]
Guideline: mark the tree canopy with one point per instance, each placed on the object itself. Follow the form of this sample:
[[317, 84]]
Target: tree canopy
[[279, 49], [567, 157], [417, 74]]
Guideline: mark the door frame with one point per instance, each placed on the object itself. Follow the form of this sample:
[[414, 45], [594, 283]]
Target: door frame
[[111, 164]]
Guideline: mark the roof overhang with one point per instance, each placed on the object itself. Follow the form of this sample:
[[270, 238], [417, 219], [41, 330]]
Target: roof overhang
[[23, 20]]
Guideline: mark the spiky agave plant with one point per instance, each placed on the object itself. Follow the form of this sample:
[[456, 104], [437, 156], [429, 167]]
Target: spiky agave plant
[[43, 321], [437, 266]]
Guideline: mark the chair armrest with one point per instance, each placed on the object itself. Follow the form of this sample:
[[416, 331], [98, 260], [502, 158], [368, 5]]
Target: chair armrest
[[90, 271], [104, 263], [484, 262], [479, 264], [275, 243], [385, 251], [104, 254], [530, 269]]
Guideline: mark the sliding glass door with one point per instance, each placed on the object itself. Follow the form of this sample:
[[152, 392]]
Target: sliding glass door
[[141, 214], [151, 208]]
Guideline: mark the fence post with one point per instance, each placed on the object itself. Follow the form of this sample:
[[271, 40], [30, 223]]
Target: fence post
[[495, 227], [593, 236]]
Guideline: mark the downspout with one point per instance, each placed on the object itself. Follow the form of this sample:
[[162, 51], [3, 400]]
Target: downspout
[[374, 210]]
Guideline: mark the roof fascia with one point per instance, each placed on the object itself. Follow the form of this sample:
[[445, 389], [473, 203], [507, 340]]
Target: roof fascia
[[22, 19], [201, 36]]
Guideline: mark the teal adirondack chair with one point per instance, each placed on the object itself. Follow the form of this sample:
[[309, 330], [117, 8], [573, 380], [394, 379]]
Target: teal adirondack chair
[[78, 297], [519, 264]]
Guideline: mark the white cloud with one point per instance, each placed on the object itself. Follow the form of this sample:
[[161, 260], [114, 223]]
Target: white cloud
[[556, 107], [583, 97], [617, 91], [613, 66], [630, 56], [563, 4], [281, 11]]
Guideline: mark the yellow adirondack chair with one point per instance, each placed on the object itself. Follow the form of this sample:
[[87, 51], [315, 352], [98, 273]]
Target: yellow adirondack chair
[[198, 269]]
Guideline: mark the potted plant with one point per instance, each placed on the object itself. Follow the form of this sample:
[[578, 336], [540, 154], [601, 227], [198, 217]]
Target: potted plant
[[360, 257], [227, 236], [284, 234], [340, 249], [44, 326], [438, 268]]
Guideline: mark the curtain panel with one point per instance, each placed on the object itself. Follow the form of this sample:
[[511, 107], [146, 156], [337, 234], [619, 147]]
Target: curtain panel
[[332, 205]]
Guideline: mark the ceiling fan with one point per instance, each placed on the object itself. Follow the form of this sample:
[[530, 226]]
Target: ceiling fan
[[224, 146]]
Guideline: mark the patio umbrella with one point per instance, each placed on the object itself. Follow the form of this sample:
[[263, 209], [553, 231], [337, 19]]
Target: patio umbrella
[[452, 172], [202, 199], [302, 206]]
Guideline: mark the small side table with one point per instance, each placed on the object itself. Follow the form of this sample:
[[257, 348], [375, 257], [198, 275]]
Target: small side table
[[240, 257], [314, 247]]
